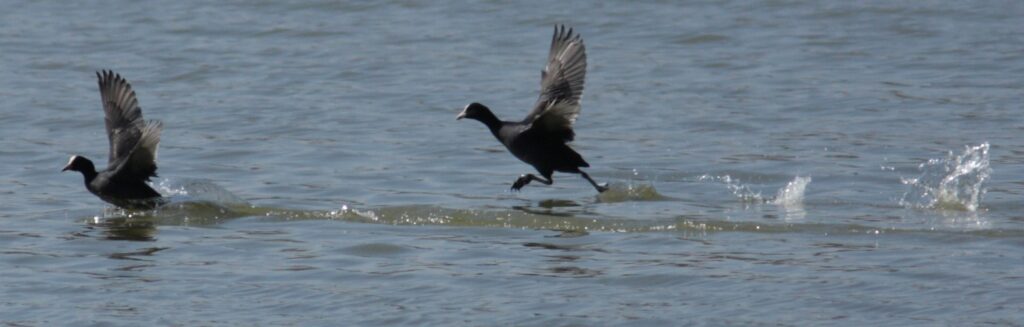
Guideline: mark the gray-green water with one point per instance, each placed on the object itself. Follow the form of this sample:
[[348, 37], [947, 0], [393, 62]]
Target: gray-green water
[[772, 163]]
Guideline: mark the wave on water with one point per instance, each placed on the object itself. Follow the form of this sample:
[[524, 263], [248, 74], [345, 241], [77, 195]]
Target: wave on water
[[956, 182], [202, 203], [630, 192], [517, 218], [187, 201]]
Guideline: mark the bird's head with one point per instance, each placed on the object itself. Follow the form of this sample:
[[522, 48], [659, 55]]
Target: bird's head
[[474, 111], [80, 164]]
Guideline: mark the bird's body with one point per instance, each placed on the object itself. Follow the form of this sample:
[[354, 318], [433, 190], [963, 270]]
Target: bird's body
[[541, 151], [133, 146], [541, 138], [123, 193]]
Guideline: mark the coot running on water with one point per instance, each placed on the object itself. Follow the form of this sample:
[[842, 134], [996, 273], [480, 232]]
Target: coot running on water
[[133, 146], [540, 139]]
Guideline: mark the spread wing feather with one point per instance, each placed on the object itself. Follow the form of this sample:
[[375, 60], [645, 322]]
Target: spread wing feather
[[561, 85], [123, 115], [141, 161], [133, 141]]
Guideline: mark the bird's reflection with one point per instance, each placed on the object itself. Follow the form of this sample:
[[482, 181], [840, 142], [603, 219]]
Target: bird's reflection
[[555, 203], [549, 207], [127, 228]]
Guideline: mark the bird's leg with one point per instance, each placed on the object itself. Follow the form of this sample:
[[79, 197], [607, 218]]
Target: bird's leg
[[600, 188], [526, 179]]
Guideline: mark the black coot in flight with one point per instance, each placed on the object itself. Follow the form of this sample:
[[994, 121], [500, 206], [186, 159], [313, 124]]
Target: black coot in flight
[[540, 138], [133, 145]]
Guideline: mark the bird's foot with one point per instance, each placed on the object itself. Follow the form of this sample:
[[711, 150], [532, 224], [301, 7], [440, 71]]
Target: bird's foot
[[602, 187], [521, 181]]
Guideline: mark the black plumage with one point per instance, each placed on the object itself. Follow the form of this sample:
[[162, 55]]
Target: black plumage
[[133, 147], [540, 138]]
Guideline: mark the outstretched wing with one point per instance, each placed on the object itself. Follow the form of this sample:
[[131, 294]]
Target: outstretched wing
[[123, 115], [140, 163], [561, 85]]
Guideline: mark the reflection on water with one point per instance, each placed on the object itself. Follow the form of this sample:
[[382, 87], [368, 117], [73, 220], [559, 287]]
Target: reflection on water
[[134, 255], [960, 220], [186, 202], [557, 203], [126, 228]]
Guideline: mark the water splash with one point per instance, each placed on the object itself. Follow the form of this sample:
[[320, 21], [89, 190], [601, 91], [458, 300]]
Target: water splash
[[791, 195], [954, 183], [791, 198], [738, 189], [637, 188], [188, 201], [197, 190]]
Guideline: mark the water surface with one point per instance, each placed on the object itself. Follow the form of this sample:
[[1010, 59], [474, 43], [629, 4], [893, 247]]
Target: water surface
[[772, 163]]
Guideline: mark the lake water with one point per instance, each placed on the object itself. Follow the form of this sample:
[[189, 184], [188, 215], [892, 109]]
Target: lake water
[[772, 163]]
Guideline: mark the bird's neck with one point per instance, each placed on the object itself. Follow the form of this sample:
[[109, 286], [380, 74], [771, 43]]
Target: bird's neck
[[89, 173], [491, 121]]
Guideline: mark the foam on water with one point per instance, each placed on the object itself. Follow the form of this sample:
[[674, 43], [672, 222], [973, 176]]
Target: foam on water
[[954, 183]]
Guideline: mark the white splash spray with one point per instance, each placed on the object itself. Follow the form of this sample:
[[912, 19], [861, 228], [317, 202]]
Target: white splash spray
[[954, 183], [790, 199], [186, 189], [738, 189], [791, 195]]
